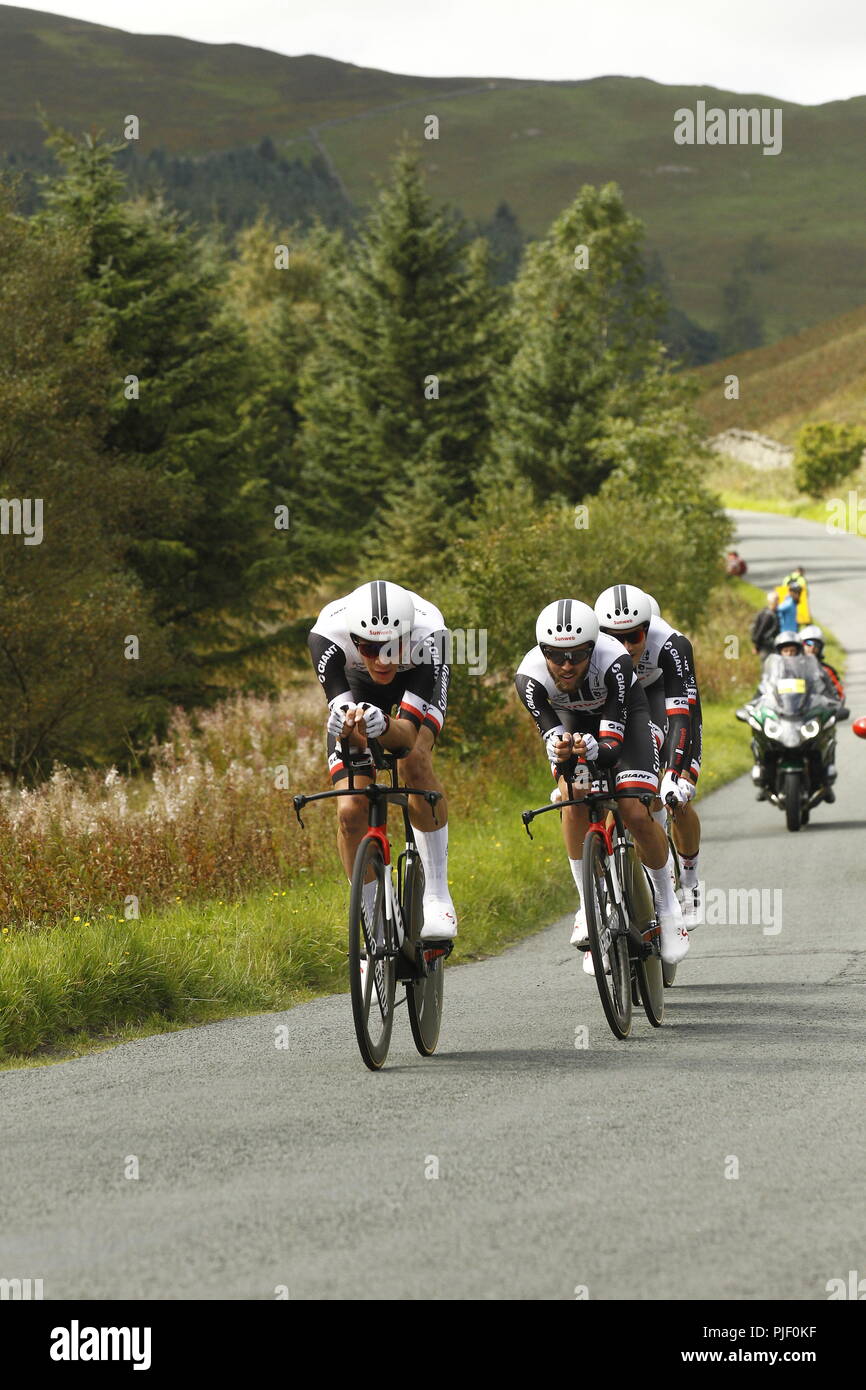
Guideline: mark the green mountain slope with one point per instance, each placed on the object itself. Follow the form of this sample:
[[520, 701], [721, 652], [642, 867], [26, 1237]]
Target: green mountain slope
[[532, 144], [816, 375], [190, 96]]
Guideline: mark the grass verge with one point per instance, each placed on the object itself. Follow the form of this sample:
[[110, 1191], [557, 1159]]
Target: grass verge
[[773, 490], [65, 992]]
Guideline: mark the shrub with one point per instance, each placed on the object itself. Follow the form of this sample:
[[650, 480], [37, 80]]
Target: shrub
[[826, 454]]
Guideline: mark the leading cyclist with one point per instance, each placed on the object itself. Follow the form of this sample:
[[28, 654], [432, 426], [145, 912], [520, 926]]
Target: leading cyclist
[[379, 647]]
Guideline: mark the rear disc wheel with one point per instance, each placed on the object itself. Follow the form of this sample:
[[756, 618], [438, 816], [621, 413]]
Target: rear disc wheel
[[424, 996]]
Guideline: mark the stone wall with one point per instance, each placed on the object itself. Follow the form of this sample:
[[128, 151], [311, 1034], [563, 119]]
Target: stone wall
[[756, 449]]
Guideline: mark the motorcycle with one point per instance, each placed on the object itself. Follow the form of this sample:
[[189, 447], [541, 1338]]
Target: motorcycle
[[794, 740]]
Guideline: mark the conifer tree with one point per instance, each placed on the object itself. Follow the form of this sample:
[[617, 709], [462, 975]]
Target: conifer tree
[[200, 536], [585, 322], [395, 396]]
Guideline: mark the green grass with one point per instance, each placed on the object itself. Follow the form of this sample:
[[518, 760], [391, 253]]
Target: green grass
[[83, 986], [773, 490], [198, 962]]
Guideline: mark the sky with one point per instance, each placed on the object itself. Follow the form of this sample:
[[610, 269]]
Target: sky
[[807, 51]]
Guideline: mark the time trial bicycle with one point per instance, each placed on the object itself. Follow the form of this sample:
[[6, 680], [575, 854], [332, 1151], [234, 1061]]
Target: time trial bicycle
[[622, 924], [385, 946]]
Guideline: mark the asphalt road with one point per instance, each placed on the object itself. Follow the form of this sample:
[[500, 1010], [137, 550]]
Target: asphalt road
[[720, 1156]]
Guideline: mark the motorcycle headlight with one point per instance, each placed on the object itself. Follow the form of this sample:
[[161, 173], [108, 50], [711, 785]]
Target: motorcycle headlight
[[810, 729], [772, 727]]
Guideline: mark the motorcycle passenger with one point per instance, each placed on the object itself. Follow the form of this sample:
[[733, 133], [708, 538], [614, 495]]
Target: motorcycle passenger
[[813, 642]]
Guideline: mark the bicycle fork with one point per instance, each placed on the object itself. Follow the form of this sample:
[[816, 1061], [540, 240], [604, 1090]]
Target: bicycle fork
[[393, 917]]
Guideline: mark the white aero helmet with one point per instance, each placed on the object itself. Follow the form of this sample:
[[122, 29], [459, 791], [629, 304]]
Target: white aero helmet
[[380, 612], [657, 612], [566, 623], [623, 607]]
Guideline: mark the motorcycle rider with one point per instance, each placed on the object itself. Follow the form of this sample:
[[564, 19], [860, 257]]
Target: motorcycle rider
[[790, 644]]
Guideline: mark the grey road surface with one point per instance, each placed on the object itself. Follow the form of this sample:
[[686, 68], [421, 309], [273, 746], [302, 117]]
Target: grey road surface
[[721, 1156]]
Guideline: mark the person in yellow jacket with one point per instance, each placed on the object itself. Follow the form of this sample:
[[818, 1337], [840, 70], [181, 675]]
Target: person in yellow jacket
[[796, 580]]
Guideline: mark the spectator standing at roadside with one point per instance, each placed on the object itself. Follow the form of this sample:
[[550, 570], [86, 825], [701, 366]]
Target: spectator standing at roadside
[[787, 610], [798, 577], [766, 626]]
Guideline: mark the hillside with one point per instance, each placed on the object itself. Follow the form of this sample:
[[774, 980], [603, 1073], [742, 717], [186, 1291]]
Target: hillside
[[190, 96], [818, 375], [793, 224]]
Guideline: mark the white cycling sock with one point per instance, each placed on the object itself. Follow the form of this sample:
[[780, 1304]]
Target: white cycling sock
[[433, 849], [662, 882], [688, 870], [577, 872]]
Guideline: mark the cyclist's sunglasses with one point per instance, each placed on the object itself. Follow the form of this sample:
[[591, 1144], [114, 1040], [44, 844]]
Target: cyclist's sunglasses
[[634, 636], [575, 655], [371, 649]]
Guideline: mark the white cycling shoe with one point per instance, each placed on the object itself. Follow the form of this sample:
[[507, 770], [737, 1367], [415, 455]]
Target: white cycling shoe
[[589, 968], [675, 937], [580, 935], [440, 920]]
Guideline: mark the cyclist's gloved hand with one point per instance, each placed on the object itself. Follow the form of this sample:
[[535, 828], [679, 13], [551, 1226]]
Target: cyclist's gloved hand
[[687, 789], [671, 783], [337, 718], [591, 746], [375, 720], [558, 745]]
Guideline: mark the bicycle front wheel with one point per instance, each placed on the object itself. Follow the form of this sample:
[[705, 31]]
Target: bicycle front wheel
[[608, 942], [372, 972]]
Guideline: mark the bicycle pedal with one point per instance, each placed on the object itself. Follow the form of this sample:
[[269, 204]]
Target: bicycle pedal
[[431, 953]]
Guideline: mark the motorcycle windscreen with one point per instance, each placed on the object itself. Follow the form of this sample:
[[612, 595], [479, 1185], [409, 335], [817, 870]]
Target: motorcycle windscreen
[[790, 684]]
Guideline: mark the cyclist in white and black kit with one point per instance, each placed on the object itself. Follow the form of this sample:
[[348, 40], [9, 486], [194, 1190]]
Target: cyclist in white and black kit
[[664, 665], [378, 654], [580, 688]]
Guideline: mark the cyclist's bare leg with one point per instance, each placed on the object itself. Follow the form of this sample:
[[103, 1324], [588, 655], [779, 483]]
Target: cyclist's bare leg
[[575, 823], [650, 840], [352, 823], [416, 770]]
